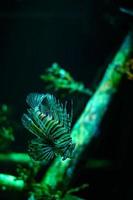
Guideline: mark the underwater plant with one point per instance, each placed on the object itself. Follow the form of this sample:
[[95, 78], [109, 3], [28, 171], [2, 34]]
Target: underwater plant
[[40, 192], [58, 78], [129, 69], [6, 127], [4, 113], [49, 121]]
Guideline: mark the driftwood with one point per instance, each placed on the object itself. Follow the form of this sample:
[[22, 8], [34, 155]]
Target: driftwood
[[61, 172]]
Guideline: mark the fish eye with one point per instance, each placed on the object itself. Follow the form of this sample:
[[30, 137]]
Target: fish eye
[[47, 113]]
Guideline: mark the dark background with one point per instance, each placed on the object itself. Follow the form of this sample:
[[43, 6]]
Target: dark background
[[82, 36], [34, 34]]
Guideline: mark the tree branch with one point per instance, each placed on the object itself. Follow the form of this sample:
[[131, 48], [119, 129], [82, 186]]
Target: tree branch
[[60, 172]]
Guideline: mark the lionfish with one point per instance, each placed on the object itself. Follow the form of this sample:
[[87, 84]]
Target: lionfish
[[49, 121]]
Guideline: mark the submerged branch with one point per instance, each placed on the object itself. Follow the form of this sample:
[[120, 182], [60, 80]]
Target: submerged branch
[[85, 128], [11, 182], [21, 158]]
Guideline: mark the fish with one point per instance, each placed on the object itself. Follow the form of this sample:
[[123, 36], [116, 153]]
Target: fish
[[48, 120]]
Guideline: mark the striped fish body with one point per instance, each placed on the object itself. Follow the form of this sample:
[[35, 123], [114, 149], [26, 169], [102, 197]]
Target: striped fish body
[[49, 121]]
